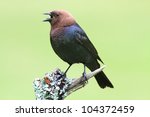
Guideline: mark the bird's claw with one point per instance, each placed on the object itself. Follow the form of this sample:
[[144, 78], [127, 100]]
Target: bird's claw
[[85, 78], [61, 76]]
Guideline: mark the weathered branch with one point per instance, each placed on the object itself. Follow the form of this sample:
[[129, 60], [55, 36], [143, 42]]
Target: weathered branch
[[55, 86], [80, 82]]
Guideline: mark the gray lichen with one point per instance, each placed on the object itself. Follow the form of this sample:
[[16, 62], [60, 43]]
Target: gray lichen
[[56, 86], [53, 86]]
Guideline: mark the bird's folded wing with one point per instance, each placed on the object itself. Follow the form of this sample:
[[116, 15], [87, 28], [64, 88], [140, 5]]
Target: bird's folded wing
[[82, 39]]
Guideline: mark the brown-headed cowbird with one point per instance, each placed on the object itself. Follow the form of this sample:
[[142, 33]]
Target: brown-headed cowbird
[[72, 45]]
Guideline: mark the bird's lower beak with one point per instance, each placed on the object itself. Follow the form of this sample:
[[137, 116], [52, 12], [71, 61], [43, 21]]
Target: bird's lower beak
[[47, 19]]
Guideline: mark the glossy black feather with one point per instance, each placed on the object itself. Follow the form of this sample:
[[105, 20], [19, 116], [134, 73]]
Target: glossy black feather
[[72, 45]]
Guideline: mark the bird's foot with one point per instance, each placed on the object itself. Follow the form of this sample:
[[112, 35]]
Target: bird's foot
[[85, 78], [61, 76]]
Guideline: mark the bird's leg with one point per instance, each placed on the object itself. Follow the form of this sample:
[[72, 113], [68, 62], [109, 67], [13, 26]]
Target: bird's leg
[[64, 74], [84, 75], [67, 69]]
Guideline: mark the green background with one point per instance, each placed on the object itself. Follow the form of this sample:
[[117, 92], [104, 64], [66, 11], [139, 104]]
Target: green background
[[119, 29]]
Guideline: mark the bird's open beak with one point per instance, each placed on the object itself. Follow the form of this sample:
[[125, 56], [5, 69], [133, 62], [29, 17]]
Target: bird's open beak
[[47, 19]]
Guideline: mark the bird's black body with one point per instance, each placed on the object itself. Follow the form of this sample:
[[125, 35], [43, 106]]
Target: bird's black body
[[69, 45], [72, 45]]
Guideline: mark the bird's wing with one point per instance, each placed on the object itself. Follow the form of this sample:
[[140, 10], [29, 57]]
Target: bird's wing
[[82, 39]]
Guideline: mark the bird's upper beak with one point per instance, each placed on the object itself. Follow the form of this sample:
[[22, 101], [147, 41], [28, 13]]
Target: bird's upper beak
[[47, 19]]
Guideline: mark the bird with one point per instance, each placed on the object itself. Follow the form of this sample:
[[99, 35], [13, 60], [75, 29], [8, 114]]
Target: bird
[[70, 42]]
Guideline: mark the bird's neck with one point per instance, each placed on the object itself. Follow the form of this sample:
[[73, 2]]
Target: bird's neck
[[56, 31]]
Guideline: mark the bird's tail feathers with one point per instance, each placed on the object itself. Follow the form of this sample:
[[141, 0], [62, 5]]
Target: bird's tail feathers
[[101, 78], [103, 81]]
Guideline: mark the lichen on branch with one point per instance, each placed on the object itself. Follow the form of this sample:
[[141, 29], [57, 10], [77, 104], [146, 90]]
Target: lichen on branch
[[56, 86]]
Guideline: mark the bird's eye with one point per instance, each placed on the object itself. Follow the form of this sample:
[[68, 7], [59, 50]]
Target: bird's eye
[[51, 16]]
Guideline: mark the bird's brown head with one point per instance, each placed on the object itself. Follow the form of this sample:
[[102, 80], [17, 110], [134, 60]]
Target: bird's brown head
[[60, 18]]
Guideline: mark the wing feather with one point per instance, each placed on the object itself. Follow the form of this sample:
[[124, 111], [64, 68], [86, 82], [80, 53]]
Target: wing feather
[[83, 39]]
